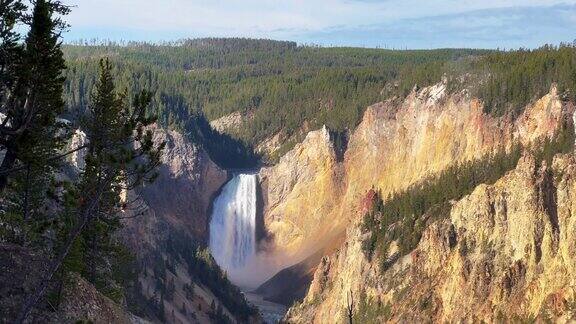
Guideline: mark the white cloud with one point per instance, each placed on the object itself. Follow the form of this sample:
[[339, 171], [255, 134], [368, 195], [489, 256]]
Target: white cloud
[[267, 18], [267, 15], [487, 28]]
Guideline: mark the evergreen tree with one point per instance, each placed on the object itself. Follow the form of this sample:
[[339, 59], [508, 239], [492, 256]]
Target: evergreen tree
[[32, 94], [114, 164], [31, 91], [11, 12], [120, 155]]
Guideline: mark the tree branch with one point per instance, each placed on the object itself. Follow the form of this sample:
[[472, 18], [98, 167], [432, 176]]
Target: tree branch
[[52, 159], [86, 216]]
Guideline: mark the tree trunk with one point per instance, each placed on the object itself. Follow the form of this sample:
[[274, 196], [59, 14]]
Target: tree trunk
[[7, 164], [27, 196], [85, 217]]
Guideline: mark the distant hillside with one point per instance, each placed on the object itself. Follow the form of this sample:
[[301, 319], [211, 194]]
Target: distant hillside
[[278, 91], [278, 87]]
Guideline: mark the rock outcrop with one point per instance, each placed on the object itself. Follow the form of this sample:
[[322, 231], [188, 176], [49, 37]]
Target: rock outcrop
[[299, 192], [228, 123], [310, 196], [77, 158], [505, 252], [397, 144], [82, 302]]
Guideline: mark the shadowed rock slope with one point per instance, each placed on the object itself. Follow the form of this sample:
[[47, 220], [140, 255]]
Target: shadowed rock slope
[[167, 227]]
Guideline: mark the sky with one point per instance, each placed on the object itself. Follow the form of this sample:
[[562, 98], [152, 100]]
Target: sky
[[367, 23]]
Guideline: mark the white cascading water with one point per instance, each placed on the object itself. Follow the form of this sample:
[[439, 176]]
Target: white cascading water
[[233, 241], [233, 223]]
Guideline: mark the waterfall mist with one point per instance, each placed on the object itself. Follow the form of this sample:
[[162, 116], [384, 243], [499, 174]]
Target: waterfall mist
[[233, 242]]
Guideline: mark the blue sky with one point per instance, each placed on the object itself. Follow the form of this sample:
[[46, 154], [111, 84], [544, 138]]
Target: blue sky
[[371, 23]]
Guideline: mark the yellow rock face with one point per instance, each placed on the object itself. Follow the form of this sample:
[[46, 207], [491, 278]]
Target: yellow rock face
[[310, 197], [506, 252], [396, 146], [300, 192]]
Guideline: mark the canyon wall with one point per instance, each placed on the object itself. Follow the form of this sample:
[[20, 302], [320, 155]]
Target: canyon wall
[[397, 144], [300, 191], [506, 252], [188, 180], [166, 228], [310, 197], [165, 222]]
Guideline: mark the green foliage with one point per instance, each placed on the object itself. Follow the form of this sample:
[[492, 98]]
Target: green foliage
[[371, 311], [11, 50], [72, 224], [203, 268], [279, 86], [31, 99], [120, 155], [402, 217], [514, 79]]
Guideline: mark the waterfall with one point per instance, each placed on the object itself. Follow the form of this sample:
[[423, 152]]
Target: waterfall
[[233, 223]]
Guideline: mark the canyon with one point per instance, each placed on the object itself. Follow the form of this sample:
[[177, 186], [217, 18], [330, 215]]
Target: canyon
[[394, 147], [313, 203], [290, 235], [237, 180]]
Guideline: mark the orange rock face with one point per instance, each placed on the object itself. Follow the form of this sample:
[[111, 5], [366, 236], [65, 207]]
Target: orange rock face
[[396, 145], [310, 196]]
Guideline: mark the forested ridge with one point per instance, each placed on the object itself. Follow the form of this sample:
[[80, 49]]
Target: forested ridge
[[280, 86]]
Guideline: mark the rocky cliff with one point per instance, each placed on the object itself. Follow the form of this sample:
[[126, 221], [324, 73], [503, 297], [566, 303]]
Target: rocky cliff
[[310, 196], [505, 252], [188, 181], [397, 144], [300, 191], [166, 225]]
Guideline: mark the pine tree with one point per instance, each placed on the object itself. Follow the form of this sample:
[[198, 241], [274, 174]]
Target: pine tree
[[121, 155], [31, 91], [113, 164], [11, 13], [33, 94]]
